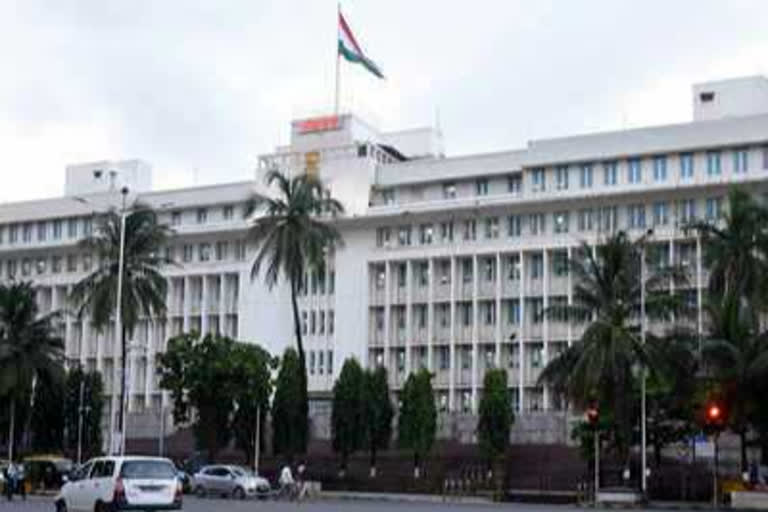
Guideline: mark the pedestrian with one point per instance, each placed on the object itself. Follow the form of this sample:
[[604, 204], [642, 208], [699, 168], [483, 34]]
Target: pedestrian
[[8, 482]]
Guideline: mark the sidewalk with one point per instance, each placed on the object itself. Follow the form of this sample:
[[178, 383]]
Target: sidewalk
[[405, 497]]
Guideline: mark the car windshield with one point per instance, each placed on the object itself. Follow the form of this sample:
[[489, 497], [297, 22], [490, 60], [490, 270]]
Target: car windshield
[[147, 469], [242, 472], [63, 465]]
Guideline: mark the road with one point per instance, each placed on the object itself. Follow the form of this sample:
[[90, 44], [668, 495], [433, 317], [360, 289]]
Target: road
[[192, 504]]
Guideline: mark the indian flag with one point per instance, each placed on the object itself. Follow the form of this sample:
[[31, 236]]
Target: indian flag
[[351, 51]]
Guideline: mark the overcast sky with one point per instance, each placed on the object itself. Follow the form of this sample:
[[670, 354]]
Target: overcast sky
[[200, 88]]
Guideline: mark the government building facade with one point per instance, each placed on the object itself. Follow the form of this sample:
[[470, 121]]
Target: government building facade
[[447, 262]]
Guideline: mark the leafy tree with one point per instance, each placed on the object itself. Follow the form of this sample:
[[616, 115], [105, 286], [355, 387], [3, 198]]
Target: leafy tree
[[144, 286], [607, 296], [200, 377], [348, 412], [417, 423], [93, 406], [289, 417], [496, 415], [737, 354], [29, 348], [291, 237], [378, 413], [47, 418], [252, 388]]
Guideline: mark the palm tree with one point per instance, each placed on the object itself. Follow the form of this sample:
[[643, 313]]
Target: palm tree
[[144, 286], [292, 235], [601, 365], [736, 353], [736, 249], [29, 347]]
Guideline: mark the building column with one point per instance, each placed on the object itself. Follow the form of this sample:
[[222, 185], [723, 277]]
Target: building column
[[672, 279], [521, 337], [222, 304], [186, 300], [570, 296], [699, 290], [475, 318], [408, 315], [430, 314], [452, 342], [204, 306], [545, 325], [387, 314]]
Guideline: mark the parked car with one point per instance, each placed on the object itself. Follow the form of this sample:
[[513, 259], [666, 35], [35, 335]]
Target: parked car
[[235, 481], [121, 483]]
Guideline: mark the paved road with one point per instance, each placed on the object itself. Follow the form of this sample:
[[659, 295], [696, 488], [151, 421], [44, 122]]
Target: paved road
[[192, 504]]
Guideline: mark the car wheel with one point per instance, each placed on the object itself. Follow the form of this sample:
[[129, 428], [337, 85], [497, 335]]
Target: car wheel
[[200, 491], [61, 506], [99, 507], [238, 493]]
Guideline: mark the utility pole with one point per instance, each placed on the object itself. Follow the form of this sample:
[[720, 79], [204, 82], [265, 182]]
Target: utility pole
[[80, 411], [257, 444]]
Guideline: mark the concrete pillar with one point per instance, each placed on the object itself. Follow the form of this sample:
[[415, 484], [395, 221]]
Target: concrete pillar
[[521, 336], [452, 342], [186, 301], [408, 315], [430, 314], [387, 315], [545, 324], [475, 334], [204, 306], [497, 352]]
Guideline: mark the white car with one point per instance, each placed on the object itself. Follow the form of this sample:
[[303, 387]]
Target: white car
[[223, 480], [122, 483]]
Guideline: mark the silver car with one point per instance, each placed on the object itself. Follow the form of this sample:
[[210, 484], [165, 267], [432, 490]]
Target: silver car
[[235, 481]]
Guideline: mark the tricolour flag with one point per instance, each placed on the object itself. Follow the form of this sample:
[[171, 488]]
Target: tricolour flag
[[351, 51]]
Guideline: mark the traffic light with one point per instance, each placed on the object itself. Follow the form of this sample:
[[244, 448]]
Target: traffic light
[[593, 414], [715, 414]]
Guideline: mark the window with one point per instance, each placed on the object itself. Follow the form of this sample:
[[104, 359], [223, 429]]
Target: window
[[560, 263], [514, 184], [71, 263], [714, 208], [87, 226], [513, 312], [537, 353], [176, 218], [56, 264], [421, 316], [443, 356], [634, 171], [188, 251], [489, 269], [11, 269], [321, 325], [636, 216], [446, 231], [660, 213], [402, 272], [311, 363], [659, 168], [26, 233], [13, 233], [686, 210], [514, 226], [312, 322], [404, 236], [444, 313], [609, 173], [537, 266], [585, 176], [608, 219], [383, 236], [489, 313], [331, 321], [42, 231], [87, 262], [466, 270], [481, 187], [202, 215], [491, 227], [713, 163], [561, 177], [228, 212], [205, 252], [538, 178], [425, 234], [470, 229], [586, 219], [449, 190], [26, 267], [422, 273], [72, 228], [514, 267], [686, 165], [331, 282], [388, 196], [241, 246], [400, 360], [57, 228], [330, 362], [537, 310], [561, 222], [740, 160], [536, 223], [222, 248]]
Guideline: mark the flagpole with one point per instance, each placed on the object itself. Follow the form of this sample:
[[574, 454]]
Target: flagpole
[[338, 66]]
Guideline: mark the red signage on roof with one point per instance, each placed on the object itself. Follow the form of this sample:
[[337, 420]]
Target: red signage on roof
[[319, 124]]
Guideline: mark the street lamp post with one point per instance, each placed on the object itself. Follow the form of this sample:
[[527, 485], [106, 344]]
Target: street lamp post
[[643, 391]]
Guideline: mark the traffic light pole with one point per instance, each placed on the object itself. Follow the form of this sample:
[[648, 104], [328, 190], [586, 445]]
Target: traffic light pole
[[597, 463], [715, 473]]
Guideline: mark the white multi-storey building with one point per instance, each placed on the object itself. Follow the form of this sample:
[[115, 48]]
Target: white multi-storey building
[[447, 262]]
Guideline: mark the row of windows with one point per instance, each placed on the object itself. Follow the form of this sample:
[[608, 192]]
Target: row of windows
[[314, 283], [74, 227], [318, 359], [314, 322], [602, 219], [534, 357], [207, 251], [586, 174]]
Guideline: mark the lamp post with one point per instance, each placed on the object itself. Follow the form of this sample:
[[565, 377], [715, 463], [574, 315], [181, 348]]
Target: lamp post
[[643, 392]]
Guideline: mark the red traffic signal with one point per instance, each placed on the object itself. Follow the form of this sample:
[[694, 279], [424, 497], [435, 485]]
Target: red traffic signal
[[593, 415], [715, 414]]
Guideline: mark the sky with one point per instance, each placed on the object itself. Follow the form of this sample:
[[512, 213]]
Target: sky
[[200, 88]]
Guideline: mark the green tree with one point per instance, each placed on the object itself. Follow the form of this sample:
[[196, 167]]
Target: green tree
[[378, 413], [292, 235], [736, 352], [29, 348], [144, 286], [417, 423], [602, 364], [289, 432], [93, 406], [496, 414], [200, 377], [252, 388], [348, 411], [47, 418]]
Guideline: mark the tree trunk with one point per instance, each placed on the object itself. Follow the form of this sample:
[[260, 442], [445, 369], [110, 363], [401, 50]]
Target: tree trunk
[[11, 429], [373, 462], [743, 442], [302, 363], [416, 469], [123, 378], [297, 320]]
